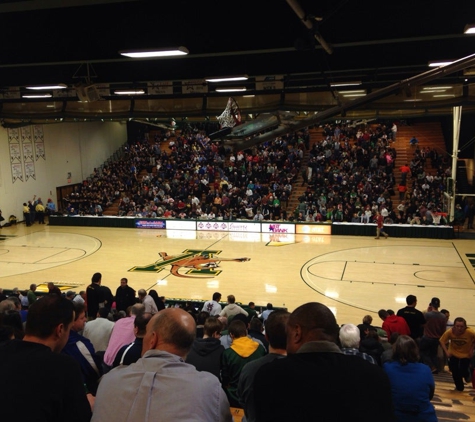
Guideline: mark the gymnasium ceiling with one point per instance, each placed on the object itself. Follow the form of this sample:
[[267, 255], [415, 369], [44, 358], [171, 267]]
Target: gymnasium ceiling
[[377, 43]]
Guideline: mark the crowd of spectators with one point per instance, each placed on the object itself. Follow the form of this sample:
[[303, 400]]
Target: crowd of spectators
[[350, 174]]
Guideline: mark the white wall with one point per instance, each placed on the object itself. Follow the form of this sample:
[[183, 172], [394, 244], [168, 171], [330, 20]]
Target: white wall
[[75, 148]]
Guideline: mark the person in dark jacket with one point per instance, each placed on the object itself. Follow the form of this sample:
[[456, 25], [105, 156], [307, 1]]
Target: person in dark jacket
[[205, 354], [95, 296], [124, 296]]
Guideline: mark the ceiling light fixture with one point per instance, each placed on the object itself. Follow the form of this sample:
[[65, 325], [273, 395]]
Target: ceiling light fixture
[[36, 96], [431, 88], [228, 79], [469, 28], [439, 63], [350, 83], [166, 52], [355, 91], [130, 92], [40, 87], [354, 95], [412, 100], [231, 89]]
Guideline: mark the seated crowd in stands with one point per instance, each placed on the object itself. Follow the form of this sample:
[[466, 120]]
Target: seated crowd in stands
[[245, 351], [349, 176]]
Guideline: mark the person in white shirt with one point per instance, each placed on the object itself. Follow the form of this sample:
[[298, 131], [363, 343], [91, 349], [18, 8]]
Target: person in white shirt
[[148, 302], [212, 306]]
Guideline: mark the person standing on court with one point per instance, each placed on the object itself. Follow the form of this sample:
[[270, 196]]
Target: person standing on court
[[380, 226]]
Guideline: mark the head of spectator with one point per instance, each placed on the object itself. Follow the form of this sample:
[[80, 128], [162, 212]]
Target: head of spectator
[[257, 325], [312, 321], [140, 325], [202, 317], [460, 326], [16, 302], [383, 314], [275, 331], [171, 330], [212, 327], [96, 278], [367, 319], [79, 317], [411, 300], [217, 296], [237, 329], [49, 321], [103, 313], [70, 295], [405, 350], [141, 293], [231, 299], [123, 282], [349, 336], [434, 304]]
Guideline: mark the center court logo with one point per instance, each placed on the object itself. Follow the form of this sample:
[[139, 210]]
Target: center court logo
[[190, 263]]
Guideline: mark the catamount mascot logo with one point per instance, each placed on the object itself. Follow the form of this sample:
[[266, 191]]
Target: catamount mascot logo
[[190, 263]]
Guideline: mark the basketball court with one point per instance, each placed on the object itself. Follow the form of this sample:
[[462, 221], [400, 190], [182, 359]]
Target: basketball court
[[354, 276]]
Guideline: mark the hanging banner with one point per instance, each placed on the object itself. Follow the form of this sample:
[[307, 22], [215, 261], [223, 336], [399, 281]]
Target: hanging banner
[[30, 170], [17, 172], [15, 154], [39, 141]]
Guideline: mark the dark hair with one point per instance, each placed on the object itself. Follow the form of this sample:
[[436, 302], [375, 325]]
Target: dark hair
[[256, 324], [411, 299], [460, 319], [315, 316], [212, 325], [201, 317], [79, 308], [269, 306], [275, 328], [141, 322], [96, 277], [103, 312], [216, 296], [237, 329], [405, 350], [383, 314], [12, 319], [435, 302], [46, 314], [231, 299]]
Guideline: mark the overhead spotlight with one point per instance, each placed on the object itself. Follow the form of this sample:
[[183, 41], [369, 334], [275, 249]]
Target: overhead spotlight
[[166, 52]]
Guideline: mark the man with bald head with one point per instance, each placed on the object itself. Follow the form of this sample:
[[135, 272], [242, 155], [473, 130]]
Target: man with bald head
[[161, 386], [316, 374]]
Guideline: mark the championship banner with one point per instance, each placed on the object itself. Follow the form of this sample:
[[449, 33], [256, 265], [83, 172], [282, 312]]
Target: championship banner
[[15, 154], [30, 170], [17, 172], [39, 141], [26, 143]]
